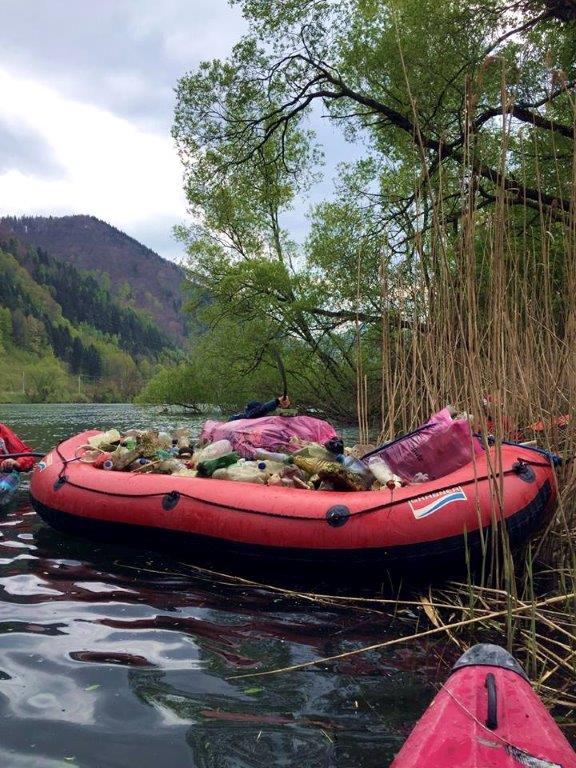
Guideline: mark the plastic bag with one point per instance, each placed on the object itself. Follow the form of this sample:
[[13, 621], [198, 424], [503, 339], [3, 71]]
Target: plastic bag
[[440, 446], [273, 433]]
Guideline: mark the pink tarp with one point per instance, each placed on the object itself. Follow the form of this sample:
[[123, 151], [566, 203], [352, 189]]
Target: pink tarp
[[273, 433], [442, 445]]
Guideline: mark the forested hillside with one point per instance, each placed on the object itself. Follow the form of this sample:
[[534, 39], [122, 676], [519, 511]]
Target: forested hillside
[[133, 273], [58, 322]]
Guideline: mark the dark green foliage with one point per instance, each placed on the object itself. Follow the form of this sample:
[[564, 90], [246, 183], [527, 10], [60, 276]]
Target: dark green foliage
[[82, 300]]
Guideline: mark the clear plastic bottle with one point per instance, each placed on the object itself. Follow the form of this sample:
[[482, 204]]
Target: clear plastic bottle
[[213, 451], [271, 467], [165, 440], [244, 473], [283, 458], [382, 472], [357, 467]]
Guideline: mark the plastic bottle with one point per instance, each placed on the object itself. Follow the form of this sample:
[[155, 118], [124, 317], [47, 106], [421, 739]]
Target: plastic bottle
[[208, 467], [165, 440], [108, 464], [9, 483], [271, 467], [244, 473], [315, 451], [284, 458], [382, 472], [181, 438], [122, 457], [169, 466], [213, 451], [357, 467]]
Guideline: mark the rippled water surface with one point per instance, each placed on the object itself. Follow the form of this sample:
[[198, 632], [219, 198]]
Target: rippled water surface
[[112, 657]]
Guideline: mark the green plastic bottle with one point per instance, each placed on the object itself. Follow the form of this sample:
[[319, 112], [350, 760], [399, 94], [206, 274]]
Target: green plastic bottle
[[207, 468]]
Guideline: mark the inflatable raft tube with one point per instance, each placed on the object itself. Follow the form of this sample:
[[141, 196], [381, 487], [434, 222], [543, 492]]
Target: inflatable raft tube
[[486, 716], [441, 522]]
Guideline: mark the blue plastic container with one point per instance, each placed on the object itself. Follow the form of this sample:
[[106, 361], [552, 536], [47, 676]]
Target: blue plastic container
[[9, 483]]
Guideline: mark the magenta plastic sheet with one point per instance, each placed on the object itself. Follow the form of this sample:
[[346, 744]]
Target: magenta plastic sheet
[[273, 433], [442, 445]]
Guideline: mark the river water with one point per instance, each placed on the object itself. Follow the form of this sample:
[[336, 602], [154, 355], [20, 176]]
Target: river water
[[113, 657]]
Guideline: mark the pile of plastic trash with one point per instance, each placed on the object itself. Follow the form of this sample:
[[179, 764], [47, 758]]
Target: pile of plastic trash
[[438, 447]]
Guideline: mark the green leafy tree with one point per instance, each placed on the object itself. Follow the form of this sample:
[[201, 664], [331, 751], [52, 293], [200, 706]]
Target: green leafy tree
[[5, 328], [46, 382], [460, 107]]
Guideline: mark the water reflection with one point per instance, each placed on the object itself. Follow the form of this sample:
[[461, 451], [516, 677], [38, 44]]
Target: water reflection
[[114, 657]]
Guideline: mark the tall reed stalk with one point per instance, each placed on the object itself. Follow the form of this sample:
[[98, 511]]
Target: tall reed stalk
[[483, 307]]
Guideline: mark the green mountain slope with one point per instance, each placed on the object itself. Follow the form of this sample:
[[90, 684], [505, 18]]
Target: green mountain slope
[[134, 274], [55, 316]]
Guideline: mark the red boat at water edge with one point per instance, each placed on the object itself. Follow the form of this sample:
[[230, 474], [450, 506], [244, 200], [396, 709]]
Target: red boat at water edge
[[486, 715], [418, 527]]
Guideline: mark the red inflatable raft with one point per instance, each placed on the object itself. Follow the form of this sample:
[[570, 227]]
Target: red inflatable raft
[[486, 716], [435, 521]]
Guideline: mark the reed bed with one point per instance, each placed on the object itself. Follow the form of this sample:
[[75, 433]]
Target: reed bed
[[478, 303]]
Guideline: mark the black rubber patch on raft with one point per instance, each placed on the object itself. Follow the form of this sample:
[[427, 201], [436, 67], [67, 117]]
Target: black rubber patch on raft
[[524, 471], [59, 483], [170, 500], [337, 515]]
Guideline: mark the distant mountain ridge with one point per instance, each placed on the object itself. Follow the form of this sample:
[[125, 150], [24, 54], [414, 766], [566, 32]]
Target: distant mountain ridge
[[134, 274], [66, 336]]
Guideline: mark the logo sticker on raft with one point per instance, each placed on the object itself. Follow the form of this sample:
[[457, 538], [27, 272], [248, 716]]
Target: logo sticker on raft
[[423, 507], [46, 462]]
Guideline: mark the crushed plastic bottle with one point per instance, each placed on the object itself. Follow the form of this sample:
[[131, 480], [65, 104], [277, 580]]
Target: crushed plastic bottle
[[271, 467], [382, 472], [357, 467], [245, 472], [104, 438], [315, 451]]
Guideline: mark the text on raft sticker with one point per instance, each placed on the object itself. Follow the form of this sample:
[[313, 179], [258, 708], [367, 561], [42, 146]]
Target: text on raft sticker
[[432, 502]]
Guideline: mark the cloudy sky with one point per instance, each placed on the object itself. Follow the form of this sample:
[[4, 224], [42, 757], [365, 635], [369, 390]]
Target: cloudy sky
[[86, 107]]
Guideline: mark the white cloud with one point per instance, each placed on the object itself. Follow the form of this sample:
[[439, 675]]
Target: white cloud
[[112, 168]]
